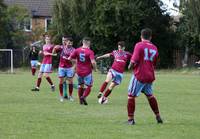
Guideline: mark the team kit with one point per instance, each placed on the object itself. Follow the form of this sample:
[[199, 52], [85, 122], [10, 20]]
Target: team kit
[[80, 62]]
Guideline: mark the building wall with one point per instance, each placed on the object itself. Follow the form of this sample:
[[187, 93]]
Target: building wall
[[38, 22]]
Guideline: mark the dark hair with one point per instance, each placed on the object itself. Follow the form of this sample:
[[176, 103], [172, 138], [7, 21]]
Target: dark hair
[[146, 33], [121, 43], [69, 38], [86, 39]]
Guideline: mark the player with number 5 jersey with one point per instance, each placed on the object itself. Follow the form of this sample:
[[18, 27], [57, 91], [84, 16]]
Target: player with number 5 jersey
[[85, 62], [143, 60]]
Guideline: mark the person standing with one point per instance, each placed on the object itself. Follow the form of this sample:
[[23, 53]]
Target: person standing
[[33, 56], [46, 66], [143, 61], [66, 69]]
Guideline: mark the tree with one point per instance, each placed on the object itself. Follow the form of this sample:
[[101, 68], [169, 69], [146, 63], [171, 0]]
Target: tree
[[109, 21], [189, 28], [11, 35], [4, 33]]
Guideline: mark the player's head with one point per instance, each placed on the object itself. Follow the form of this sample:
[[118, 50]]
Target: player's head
[[86, 41], [33, 48], [67, 40], [47, 39], [146, 34], [121, 45]]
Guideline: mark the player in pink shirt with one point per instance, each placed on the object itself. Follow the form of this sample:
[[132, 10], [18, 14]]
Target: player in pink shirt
[[66, 69], [85, 62], [143, 60], [115, 73], [46, 66]]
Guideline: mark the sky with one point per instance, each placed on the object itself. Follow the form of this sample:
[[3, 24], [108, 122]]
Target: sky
[[170, 8]]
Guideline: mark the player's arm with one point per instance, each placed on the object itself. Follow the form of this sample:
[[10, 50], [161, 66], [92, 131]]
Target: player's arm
[[55, 50], [48, 54], [94, 65], [135, 57], [103, 56]]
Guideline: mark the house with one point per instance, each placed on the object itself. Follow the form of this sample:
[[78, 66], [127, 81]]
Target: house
[[39, 10]]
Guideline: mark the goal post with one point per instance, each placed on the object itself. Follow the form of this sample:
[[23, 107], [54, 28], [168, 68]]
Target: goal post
[[11, 58]]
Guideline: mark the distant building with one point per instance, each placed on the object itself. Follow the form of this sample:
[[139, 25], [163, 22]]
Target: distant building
[[40, 11]]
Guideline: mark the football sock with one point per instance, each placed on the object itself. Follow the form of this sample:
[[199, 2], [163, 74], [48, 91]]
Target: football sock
[[103, 86], [154, 105], [49, 80], [131, 107], [65, 89], [61, 89], [80, 92], [107, 93], [39, 82], [33, 70], [87, 91], [70, 89]]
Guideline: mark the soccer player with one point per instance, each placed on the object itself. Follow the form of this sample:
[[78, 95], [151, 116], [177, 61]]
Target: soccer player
[[143, 60], [46, 66], [85, 62], [66, 69], [115, 73], [33, 56]]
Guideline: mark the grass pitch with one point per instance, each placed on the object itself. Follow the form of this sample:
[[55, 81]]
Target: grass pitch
[[40, 115]]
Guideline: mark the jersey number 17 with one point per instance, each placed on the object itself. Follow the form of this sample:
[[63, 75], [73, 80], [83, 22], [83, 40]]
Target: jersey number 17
[[149, 54]]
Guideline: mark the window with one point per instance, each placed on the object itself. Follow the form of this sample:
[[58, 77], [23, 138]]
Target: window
[[47, 23], [28, 25]]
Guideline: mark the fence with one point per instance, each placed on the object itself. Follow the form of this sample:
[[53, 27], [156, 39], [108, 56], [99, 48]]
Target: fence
[[178, 57], [20, 58]]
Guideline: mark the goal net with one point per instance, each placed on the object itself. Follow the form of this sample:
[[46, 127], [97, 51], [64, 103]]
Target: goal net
[[6, 60]]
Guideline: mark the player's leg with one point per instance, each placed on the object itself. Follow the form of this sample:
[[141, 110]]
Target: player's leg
[[61, 75], [80, 88], [38, 82], [70, 74], [116, 80], [70, 82], [134, 90], [88, 81], [152, 101], [33, 66], [65, 93], [104, 85], [62, 79], [107, 92], [47, 70]]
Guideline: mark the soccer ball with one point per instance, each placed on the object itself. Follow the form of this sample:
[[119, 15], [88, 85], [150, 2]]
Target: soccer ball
[[103, 100]]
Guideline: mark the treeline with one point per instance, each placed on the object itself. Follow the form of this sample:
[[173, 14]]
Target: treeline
[[108, 21]]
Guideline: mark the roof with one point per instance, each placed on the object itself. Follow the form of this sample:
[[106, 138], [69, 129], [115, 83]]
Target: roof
[[36, 7]]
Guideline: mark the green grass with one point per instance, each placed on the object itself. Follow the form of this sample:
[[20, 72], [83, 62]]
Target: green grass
[[29, 115]]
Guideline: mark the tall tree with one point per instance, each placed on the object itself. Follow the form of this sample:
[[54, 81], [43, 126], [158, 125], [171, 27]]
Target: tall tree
[[108, 21], [189, 28]]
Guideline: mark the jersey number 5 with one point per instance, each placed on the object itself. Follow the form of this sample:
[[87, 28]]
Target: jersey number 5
[[82, 57], [149, 54]]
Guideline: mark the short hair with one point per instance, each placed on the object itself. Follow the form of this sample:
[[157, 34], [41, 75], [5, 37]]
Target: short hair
[[121, 43], [146, 33], [86, 40], [69, 38]]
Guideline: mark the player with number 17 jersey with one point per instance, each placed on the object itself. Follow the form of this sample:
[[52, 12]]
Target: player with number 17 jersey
[[145, 57]]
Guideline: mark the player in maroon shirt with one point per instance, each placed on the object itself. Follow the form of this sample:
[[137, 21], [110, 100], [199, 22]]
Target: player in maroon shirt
[[143, 60], [46, 66], [66, 69], [85, 62], [115, 74]]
